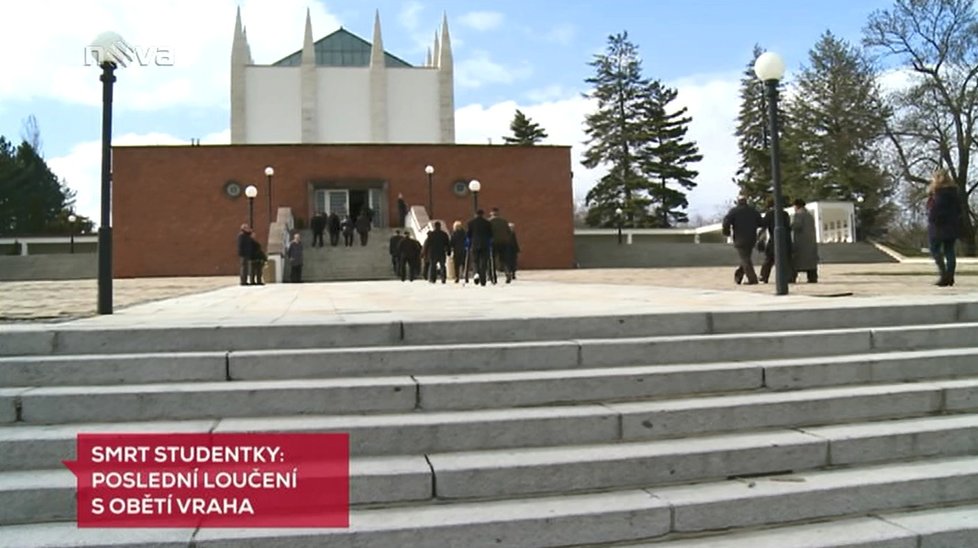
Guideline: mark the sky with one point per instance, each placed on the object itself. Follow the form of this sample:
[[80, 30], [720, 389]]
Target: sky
[[528, 54]]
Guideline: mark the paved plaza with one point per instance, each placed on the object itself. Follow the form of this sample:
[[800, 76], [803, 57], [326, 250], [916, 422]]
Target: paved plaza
[[209, 300]]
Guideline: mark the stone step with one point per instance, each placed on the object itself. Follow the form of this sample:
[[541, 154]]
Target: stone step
[[34, 496], [566, 469], [175, 401], [950, 527], [584, 353], [52, 404], [913, 327], [620, 516], [25, 446], [47, 495], [557, 521], [523, 387]]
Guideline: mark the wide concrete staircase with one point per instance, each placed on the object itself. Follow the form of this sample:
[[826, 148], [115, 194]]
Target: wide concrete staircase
[[327, 264], [794, 428]]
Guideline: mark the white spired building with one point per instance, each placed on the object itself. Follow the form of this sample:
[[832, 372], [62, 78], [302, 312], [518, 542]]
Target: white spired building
[[342, 89]]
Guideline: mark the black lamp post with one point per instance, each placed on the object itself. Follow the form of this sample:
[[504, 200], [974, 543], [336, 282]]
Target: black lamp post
[[71, 233], [251, 192], [430, 170], [269, 171], [474, 187], [618, 218], [769, 67], [107, 47]]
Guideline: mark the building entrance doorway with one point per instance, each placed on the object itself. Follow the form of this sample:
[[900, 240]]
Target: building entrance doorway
[[352, 201], [358, 200]]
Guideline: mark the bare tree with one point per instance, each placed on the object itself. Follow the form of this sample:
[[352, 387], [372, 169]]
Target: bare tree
[[30, 133], [934, 123]]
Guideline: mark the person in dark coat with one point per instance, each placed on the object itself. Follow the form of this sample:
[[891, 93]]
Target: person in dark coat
[[363, 227], [514, 249], [458, 250], [410, 257], [437, 246], [501, 240], [480, 244], [944, 213], [257, 262], [743, 220], [294, 253], [244, 253], [804, 248], [333, 225], [402, 209], [318, 226], [767, 224], [347, 227], [393, 247]]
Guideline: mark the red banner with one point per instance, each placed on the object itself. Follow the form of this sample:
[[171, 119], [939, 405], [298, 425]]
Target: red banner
[[212, 480]]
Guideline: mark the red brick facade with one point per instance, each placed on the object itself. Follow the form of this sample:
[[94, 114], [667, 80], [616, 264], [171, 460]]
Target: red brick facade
[[172, 216]]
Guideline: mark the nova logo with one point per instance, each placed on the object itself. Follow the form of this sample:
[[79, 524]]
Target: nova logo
[[123, 54]]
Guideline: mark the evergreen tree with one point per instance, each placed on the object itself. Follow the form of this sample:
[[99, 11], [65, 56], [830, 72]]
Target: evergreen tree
[[665, 157], [525, 132], [754, 140], [838, 122], [32, 199], [642, 145]]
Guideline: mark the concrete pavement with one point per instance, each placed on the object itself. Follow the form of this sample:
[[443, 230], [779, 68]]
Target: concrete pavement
[[219, 300]]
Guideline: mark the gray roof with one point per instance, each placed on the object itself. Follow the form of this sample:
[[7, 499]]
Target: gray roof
[[341, 49]]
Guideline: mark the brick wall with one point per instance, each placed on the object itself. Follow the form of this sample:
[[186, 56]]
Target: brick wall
[[172, 217]]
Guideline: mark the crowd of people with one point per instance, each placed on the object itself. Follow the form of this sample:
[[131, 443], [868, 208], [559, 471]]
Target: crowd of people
[[336, 226], [482, 248], [748, 228]]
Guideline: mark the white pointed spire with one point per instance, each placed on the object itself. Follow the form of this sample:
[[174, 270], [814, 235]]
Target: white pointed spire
[[445, 49], [377, 48], [427, 59], [308, 48], [240, 58], [237, 25], [435, 51]]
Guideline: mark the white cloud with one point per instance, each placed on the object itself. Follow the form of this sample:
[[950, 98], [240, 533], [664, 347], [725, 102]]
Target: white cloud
[[409, 16], [482, 20], [562, 34], [197, 33], [552, 92], [480, 69], [713, 102], [81, 167]]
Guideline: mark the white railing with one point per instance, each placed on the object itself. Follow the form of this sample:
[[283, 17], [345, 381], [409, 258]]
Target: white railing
[[279, 235], [26, 241]]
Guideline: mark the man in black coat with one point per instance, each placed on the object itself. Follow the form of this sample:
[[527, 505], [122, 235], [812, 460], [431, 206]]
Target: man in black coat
[[501, 241], [363, 227], [409, 251], [437, 247], [393, 248], [244, 253], [768, 224], [402, 208], [318, 226], [744, 220], [333, 225], [480, 243]]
